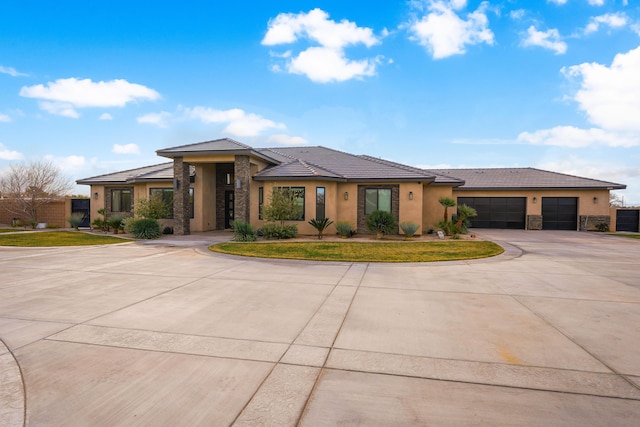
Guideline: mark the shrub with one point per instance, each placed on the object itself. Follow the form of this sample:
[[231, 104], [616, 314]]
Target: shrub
[[244, 232], [320, 224], [381, 222], [345, 229], [277, 231], [167, 230], [409, 228], [144, 228], [447, 227], [75, 219], [154, 207], [115, 222], [602, 226]]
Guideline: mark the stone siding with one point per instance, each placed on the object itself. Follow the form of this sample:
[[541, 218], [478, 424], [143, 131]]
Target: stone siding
[[242, 200], [534, 222], [181, 206], [591, 222]]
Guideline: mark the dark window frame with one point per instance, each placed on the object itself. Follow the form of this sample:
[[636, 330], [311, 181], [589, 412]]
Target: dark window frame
[[122, 200], [367, 209], [321, 202], [300, 193], [167, 190]]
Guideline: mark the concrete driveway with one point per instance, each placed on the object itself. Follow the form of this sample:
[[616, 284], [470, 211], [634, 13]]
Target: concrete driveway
[[166, 333]]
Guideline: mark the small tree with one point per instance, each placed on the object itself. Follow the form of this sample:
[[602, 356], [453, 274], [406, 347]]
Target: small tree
[[446, 202], [29, 186], [282, 206], [464, 213], [153, 208]]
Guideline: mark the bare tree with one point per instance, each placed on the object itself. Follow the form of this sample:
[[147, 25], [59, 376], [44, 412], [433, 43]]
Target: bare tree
[[616, 200], [27, 187]]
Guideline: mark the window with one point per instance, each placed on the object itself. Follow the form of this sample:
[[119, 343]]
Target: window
[[167, 197], [320, 202], [260, 201], [377, 199], [121, 200], [297, 194]]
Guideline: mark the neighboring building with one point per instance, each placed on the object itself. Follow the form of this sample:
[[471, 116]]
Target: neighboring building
[[216, 182]]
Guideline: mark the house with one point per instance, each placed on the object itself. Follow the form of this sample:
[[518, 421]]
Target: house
[[213, 183]]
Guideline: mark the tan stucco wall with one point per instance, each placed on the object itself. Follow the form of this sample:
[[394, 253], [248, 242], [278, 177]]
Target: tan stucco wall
[[411, 209], [204, 193], [433, 210]]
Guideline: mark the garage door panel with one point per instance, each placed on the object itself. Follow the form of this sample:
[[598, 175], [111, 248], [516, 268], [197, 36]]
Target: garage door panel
[[559, 213], [628, 220], [497, 212]]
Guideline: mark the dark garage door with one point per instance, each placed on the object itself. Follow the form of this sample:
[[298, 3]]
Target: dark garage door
[[628, 220], [497, 212], [559, 213]]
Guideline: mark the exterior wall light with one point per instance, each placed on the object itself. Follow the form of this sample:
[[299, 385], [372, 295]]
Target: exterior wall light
[[346, 195], [595, 199], [535, 200], [238, 183], [95, 195], [410, 195]]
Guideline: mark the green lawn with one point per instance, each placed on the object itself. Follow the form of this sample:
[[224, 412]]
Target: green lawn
[[11, 230], [364, 251], [57, 238]]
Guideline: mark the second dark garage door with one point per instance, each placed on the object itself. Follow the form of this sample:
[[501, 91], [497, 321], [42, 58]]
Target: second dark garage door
[[497, 212], [559, 213]]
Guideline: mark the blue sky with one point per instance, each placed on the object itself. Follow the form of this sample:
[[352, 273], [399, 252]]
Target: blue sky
[[97, 87]]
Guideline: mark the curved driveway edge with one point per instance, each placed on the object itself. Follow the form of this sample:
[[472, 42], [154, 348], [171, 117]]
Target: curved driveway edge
[[11, 390]]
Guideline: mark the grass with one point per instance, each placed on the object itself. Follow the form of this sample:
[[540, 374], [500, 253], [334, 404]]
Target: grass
[[57, 238], [364, 251], [631, 236], [10, 230]]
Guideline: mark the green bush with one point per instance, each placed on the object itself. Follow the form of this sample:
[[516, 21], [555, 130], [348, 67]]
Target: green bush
[[115, 222], [447, 227], [381, 222], [144, 228], [345, 229], [602, 226], [320, 224], [75, 219], [409, 228], [244, 232], [277, 231]]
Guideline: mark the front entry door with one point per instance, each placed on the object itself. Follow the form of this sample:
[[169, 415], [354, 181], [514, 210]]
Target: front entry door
[[228, 209]]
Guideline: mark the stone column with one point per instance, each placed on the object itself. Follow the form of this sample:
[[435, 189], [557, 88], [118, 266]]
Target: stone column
[[242, 173], [181, 182]]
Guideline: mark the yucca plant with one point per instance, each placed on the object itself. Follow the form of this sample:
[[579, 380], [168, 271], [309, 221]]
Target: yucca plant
[[75, 219], [381, 222], [409, 228], [320, 224]]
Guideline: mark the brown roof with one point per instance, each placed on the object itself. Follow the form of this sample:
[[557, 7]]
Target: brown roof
[[322, 162], [523, 178], [160, 172], [216, 146]]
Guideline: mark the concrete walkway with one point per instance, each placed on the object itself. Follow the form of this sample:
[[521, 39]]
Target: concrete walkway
[[165, 333]]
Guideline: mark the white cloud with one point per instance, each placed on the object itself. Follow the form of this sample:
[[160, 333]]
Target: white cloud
[[64, 96], [558, 2], [282, 139], [105, 116], [6, 154], [573, 137], [596, 2], [159, 119], [69, 164], [610, 96], [4, 118], [444, 33], [125, 149], [517, 14], [612, 20], [239, 123], [11, 71], [324, 65], [549, 39], [331, 36]]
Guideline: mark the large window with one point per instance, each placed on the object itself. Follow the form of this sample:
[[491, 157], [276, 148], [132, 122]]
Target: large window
[[260, 201], [320, 202], [297, 194], [166, 194], [377, 199], [121, 200]]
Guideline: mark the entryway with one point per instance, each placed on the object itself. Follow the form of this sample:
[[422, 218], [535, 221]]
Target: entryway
[[228, 208]]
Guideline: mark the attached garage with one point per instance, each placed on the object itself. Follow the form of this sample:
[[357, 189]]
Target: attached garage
[[497, 212], [560, 213], [628, 220]]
